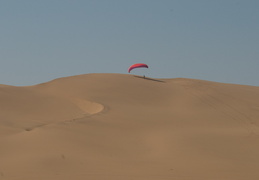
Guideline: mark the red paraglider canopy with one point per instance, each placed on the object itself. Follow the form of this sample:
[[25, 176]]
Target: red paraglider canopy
[[139, 65]]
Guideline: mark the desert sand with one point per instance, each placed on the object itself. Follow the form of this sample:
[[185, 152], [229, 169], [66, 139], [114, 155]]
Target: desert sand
[[125, 127]]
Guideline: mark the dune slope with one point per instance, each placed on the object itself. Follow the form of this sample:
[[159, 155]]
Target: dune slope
[[115, 126]]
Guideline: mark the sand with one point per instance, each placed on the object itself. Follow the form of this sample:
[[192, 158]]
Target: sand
[[124, 127]]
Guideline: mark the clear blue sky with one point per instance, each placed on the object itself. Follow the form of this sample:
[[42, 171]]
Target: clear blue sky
[[216, 40]]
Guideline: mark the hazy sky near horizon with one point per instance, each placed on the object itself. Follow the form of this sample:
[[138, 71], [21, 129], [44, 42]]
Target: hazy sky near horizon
[[201, 39]]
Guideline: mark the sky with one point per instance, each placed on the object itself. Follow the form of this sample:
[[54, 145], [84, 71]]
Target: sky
[[202, 39]]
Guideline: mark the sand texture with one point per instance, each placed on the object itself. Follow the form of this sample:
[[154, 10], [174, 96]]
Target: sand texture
[[125, 127]]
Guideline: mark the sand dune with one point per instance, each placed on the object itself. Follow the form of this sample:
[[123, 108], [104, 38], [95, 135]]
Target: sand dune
[[124, 127]]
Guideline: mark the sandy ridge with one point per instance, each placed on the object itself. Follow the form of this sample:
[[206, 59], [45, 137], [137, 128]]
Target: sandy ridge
[[116, 126]]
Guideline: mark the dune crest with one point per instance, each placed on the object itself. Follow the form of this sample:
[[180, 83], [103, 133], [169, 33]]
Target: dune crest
[[180, 129]]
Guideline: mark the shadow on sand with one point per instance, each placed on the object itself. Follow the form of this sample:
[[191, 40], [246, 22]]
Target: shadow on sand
[[147, 78]]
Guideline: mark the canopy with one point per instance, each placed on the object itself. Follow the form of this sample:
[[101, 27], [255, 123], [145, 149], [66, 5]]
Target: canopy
[[138, 65]]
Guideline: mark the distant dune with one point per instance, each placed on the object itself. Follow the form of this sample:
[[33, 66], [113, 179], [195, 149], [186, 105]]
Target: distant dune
[[125, 127]]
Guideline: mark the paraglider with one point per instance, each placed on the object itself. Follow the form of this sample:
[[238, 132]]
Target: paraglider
[[139, 65]]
